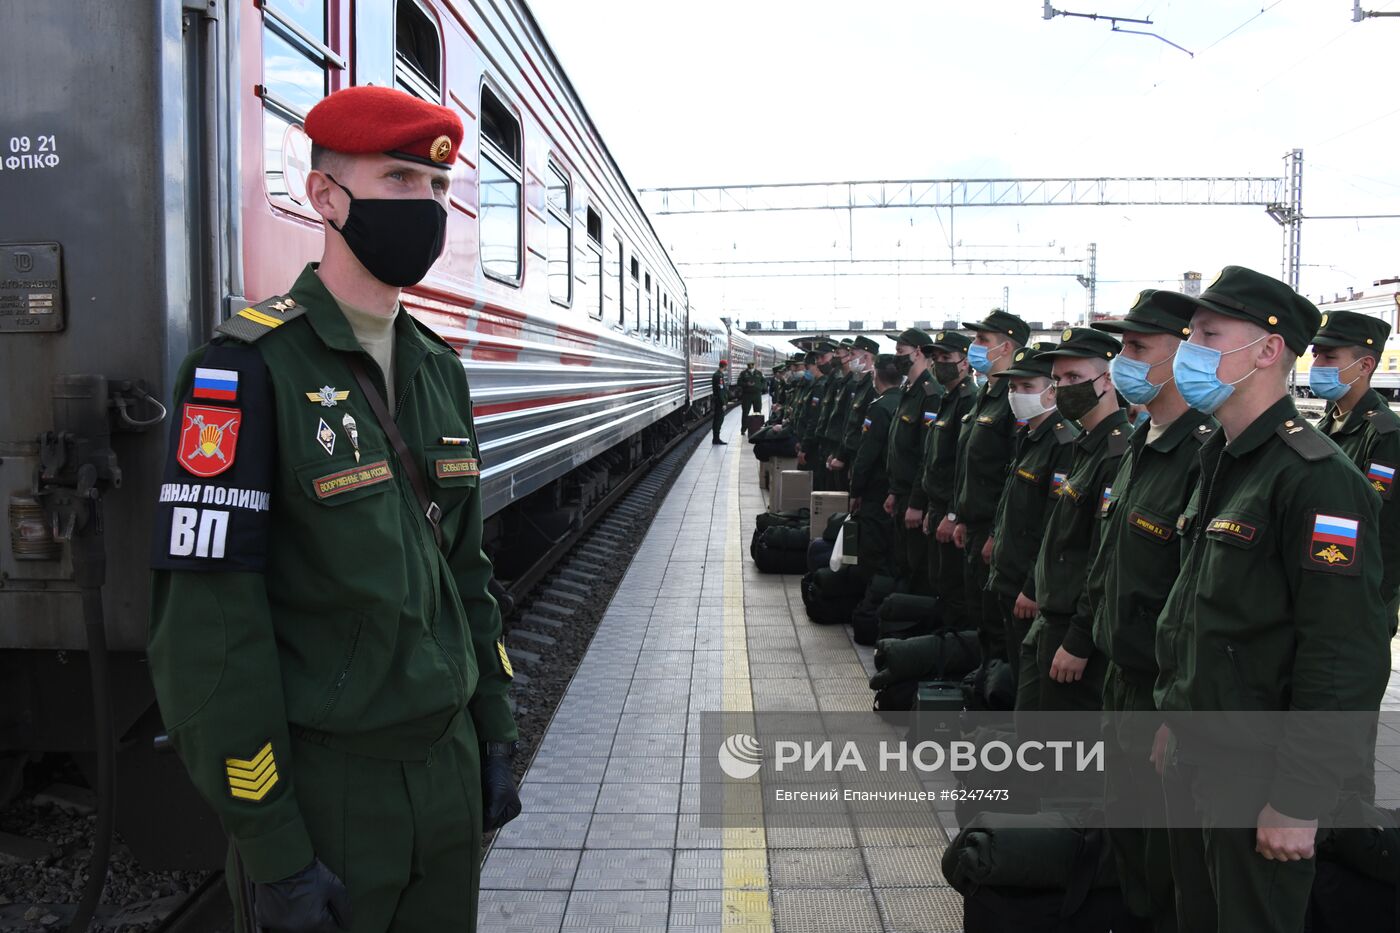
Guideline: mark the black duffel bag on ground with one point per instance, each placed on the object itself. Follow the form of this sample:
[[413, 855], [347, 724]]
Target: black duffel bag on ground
[[1357, 886], [819, 554], [903, 615], [784, 519], [829, 597], [774, 444], [833, 526], [940, 655], [1049, 873], [780, 550], [991, 687], [865, 618]]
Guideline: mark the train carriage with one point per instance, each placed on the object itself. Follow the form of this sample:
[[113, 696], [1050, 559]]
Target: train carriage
[[154, 184]]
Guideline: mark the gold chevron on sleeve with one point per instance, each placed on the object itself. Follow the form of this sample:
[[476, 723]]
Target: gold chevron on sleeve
[[252, 778]]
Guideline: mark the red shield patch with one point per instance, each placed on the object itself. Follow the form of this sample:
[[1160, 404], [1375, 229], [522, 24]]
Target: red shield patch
[[208, 439]]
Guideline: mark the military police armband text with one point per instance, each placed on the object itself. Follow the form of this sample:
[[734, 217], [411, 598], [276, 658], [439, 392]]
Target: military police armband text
[[212, 512]]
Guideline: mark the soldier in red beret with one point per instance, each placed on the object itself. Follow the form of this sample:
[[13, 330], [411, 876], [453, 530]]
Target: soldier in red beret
[[325, 651]]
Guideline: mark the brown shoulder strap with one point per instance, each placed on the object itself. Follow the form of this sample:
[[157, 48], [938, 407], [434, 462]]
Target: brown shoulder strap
[[431, 511]]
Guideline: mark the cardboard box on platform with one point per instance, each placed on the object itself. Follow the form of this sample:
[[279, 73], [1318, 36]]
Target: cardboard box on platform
[[794, 490], [824, 505]]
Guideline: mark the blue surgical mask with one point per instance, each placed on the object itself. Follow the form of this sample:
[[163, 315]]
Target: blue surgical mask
[[1326, 382], [977, 358], [1195, 370], [1143, 418], [1130, 378]]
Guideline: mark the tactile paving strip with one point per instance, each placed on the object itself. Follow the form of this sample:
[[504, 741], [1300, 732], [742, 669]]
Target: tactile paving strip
[[623, 870], [633, 831], [606, 911], [530, 869], [521, 911], [830, 911], [817, 868], [920, 910], [896, 866], [537, 830]]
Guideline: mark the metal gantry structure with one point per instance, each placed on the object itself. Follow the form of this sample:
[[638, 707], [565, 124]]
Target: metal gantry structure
[[1281, 197]]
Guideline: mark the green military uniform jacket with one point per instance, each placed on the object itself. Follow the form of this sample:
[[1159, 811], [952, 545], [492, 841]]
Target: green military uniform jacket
[[917, 412], [869, 480], [808, 415], [751, 384], [835, 391], [1275, 607], [1370, 436], [864, 396], [933, 490], [719, 387], [986, 445], [834, 436], [298, 586], [1037, 474], [1139, 553], [1073, 528]]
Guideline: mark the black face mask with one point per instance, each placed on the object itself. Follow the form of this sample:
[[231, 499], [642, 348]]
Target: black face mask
[[904, 364], [828, 368], [946, 373], [396, 240], [1076, 401]]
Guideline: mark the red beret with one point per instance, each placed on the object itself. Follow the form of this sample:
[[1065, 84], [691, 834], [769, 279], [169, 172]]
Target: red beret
[[358, 120]]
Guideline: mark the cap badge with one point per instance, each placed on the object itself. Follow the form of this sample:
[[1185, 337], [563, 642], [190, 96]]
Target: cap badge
[[1069, 332], [1186, 331], [1021, 355], [1324, 320], [1273, 320], [441, 149]]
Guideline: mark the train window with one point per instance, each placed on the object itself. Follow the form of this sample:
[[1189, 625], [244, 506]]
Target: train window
[[296, 61], [636, 296], [621, 281], [417, 51], [651, 311], [595, 227], [499, 190], [374, 42], [561, 232], [593, 280]]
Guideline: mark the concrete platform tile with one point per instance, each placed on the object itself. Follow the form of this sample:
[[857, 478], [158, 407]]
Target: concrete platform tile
[[817, 868], [530, 869], [551, 797], [638, 798], [604, 912], [801, 910], [543, 830], [898, 866], [521, 911], [633, 831], [648, 744], [624, 870], [920, 910], [559, 770], [624, 769]]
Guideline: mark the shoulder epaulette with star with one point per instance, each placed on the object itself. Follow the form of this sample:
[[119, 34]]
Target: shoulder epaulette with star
[[1305, 440], [1064, 432], [1383, 419], [261, 319], [1204, 432], [1118, 441]]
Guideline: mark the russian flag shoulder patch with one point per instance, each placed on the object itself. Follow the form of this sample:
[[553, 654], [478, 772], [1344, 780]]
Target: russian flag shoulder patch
[[1333, 542], [219, 384]]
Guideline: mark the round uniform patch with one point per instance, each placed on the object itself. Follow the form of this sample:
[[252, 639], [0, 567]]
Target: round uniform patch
[[209, 439], [1069, 332], [1020, 355], [441, 149]]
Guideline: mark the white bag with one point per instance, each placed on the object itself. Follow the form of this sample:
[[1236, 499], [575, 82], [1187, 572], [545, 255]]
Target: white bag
[[835, 562]]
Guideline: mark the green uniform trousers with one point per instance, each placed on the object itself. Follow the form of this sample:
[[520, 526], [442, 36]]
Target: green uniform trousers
[[1015, 631], [873, 545], [404, 836], [911, 549], [1037, 691], [945, 575], [1222, 884], [980, 606], [750, 404], [1130, 782]]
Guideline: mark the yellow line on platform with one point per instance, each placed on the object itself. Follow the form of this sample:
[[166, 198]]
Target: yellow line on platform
[[745, 854]]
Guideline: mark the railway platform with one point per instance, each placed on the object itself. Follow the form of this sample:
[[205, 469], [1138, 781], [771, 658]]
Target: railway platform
[[612, 836]]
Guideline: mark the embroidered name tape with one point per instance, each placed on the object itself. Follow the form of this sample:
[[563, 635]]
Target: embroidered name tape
[[463, 466], [368, 475]]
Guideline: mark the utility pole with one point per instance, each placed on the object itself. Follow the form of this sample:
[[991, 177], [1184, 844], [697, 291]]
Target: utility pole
[[1091, 281], [1358, 14]]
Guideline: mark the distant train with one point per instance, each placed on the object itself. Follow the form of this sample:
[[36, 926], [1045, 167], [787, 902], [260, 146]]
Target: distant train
[[154, 184], [1386, 379]]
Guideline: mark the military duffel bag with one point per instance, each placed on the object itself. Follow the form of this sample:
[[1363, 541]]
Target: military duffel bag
[[771, 446], [1358, 871], [991, 687], [824, 601], [903, 615], [819, 554], [1044, 873], [939, 656], [833, 526], [773, 551], [783, 519], [865, 618]]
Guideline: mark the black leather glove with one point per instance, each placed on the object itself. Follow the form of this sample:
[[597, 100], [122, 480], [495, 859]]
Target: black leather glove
[[500, 803], [313, 900]]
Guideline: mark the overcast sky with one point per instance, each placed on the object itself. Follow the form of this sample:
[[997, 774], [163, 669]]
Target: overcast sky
[[765, 91]]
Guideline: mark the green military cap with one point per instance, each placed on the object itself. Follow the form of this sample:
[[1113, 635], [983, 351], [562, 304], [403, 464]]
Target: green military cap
[[846, 341], [810, 358], [1002, 322], [798, 357], [951, 340], [1032, 360], [1085, 342], [913, 337], [823, 345], [865, 343], [779, 368], [1252, 296], [1350, 329], [1154, 312]]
